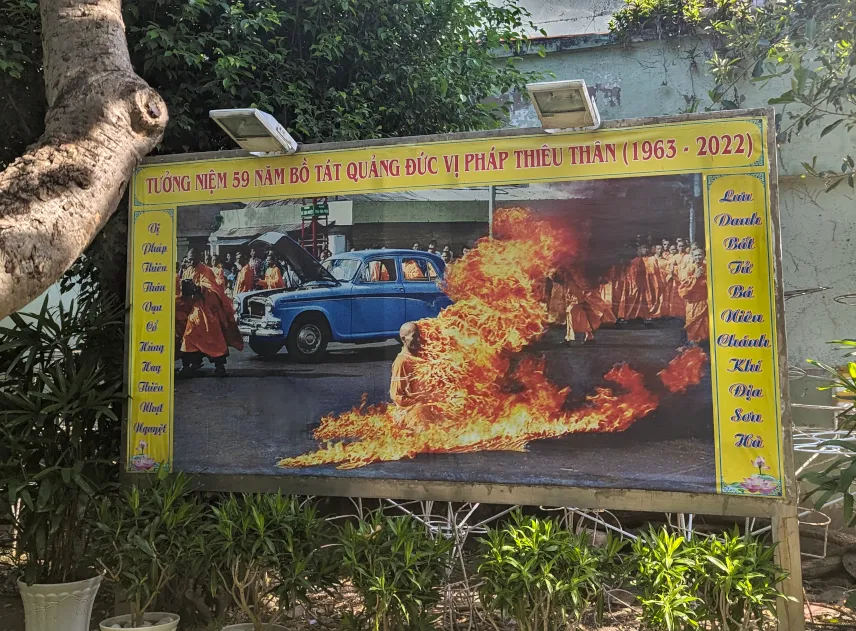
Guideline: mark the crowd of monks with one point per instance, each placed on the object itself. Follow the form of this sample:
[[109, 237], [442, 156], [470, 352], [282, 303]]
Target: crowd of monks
[[663, 280], [247, 273], [205, 322]]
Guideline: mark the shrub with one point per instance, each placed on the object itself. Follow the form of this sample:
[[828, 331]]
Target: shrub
[[267, 547], [726, 581], [543, 576], [141, 536], [397, 567], [737, 580], [662, 17], [665, 572], [60, 400]]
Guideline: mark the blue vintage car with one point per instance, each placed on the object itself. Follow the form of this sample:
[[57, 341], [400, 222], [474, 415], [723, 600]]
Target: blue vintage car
[[355, 297]]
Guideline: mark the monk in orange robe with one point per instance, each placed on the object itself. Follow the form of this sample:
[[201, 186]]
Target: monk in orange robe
[[633, 292], [557, 304], [412, 271], [693, 290], [245, 280], [687, 257], [653, 291], [687, 265], [181, 307], [664, 262], [404, 389], [210, 327], [674, 304], [273, 276], [615, 292], [219, 271], [378, 272], [586, 310], [604, 288]]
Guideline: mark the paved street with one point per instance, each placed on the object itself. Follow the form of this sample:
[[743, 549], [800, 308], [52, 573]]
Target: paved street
[[266, 409]]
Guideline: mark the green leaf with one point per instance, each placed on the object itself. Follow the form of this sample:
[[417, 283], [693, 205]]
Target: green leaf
[[786, 97], [847, 477], [810, 28], [831, 127]]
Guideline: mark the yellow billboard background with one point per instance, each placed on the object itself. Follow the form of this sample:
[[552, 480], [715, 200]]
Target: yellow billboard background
[[730, 154], [744, 347], [152, 259], [650, 150]]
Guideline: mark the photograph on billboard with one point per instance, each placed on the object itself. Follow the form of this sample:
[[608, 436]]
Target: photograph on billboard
[[615, 330]]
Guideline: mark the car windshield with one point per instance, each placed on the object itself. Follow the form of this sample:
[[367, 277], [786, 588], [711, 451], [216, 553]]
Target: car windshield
[[342, 269]]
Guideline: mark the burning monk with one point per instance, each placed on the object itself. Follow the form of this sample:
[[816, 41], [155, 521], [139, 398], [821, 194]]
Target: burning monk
[[693, 289], [404, 388], [210, 320]]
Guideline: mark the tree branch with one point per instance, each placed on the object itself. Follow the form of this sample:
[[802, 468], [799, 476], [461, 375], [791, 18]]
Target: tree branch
[[101, 120]]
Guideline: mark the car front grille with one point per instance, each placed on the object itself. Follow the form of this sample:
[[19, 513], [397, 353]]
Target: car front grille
[[256, 309]]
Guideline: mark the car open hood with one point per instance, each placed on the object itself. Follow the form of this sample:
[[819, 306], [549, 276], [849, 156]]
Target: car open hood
[[305, 265]]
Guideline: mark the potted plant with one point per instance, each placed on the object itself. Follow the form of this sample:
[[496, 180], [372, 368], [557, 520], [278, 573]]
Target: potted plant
[[142, 535], [269, 551], [60, 394]]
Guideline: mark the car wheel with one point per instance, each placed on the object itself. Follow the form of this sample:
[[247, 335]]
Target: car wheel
[[307, 341], [265, 348]]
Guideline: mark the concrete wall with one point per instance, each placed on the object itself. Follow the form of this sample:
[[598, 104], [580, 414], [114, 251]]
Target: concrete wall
[[656, 78], [267, 216], [54, 298], [404, 235], [418, 212], [242, 217], [559, 17]]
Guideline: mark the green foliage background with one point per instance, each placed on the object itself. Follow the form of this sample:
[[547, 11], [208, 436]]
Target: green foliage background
[[331, 70], [809, 47]]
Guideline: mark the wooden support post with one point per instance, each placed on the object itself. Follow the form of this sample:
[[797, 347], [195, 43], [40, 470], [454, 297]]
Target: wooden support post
[[786, 534]]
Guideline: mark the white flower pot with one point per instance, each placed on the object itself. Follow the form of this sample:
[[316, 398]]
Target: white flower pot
[[154, 617], [248, 626], [60, 607]]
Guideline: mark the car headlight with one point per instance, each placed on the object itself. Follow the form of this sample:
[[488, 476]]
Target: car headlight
[[268, 307], [236, 304]]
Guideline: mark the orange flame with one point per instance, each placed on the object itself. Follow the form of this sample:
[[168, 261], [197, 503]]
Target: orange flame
[[685, 370], [478, 394]]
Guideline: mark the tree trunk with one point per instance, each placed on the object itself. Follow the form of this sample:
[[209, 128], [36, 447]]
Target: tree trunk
[[101, 120]]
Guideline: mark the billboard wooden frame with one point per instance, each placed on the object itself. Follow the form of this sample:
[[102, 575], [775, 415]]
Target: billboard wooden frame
[[782, 511]]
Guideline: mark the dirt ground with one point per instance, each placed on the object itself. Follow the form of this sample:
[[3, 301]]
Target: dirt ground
[[327, 610]]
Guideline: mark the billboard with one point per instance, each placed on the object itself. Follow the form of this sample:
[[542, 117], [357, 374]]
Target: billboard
[[583, 310]]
